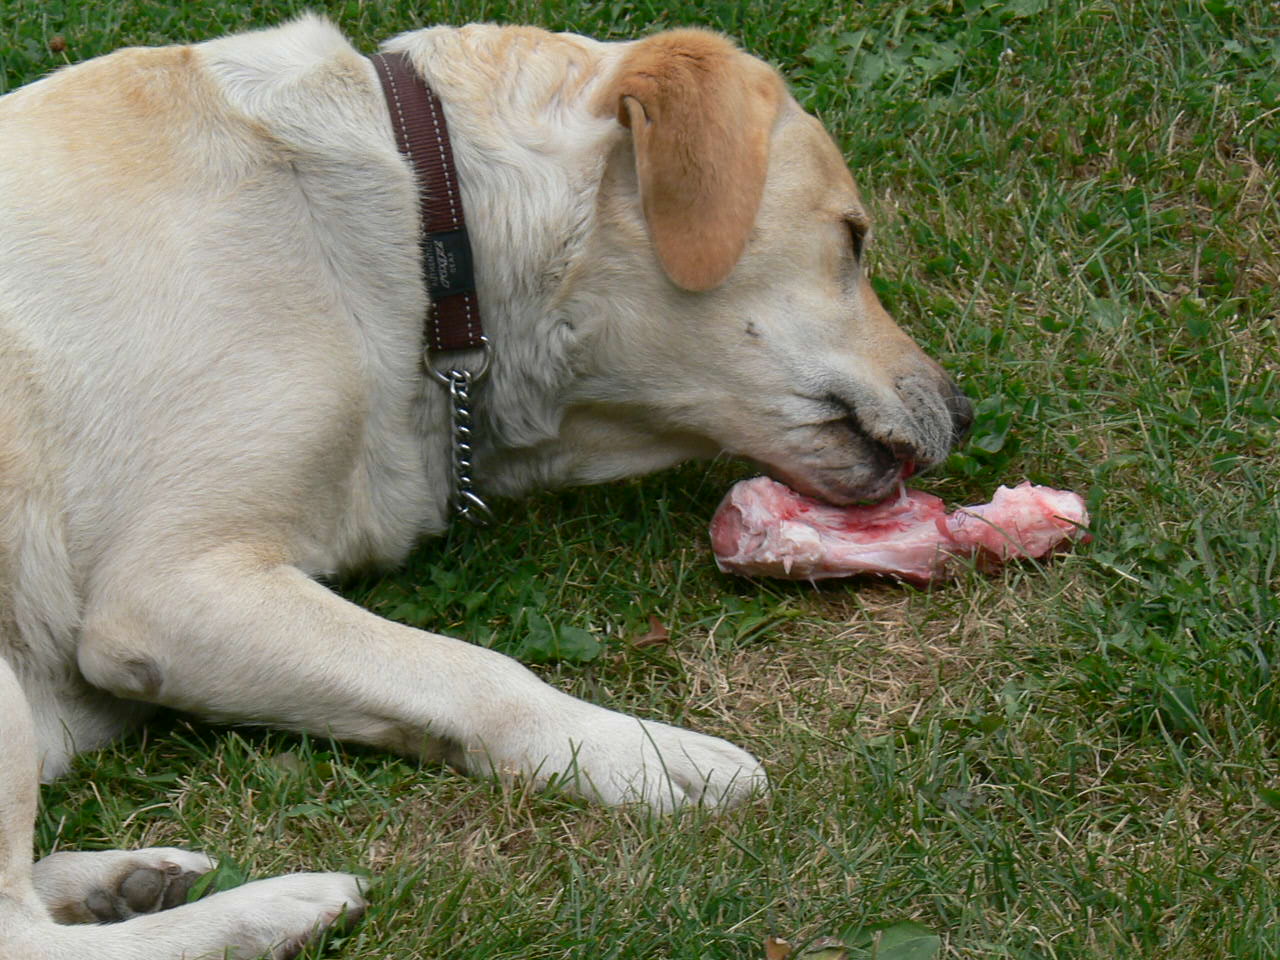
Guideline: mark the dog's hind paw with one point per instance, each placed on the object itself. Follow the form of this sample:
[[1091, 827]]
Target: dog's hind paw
[[112, 885], [276, 917]]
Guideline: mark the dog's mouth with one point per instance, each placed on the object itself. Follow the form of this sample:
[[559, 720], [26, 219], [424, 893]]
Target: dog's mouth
[[857, 454], [864, 470], [840, 494], [842, 458]]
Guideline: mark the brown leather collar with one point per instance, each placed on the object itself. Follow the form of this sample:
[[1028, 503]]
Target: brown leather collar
[[453, 321]]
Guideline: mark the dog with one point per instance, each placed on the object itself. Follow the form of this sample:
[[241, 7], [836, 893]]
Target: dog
[[213, 392]]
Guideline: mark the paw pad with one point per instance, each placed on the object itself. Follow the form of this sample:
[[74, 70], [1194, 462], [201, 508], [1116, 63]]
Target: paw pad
[[144, 890]]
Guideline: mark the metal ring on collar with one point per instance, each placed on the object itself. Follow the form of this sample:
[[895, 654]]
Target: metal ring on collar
[[447, 377]]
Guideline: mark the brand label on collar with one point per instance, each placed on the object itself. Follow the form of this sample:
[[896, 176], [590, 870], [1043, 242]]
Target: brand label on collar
[[447, 263]]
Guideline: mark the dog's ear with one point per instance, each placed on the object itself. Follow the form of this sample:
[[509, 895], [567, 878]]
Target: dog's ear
[[700, 113]]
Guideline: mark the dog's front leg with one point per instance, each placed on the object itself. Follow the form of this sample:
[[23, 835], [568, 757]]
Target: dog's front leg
[[231, 638]]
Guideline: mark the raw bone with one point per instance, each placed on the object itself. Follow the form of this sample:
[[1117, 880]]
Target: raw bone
[[766, 529]]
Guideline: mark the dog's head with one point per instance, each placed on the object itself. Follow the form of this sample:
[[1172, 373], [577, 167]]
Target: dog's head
[[721, 301], [733, 307]]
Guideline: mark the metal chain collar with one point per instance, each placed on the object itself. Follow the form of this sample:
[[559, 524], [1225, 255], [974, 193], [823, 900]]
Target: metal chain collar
[[466, 503]]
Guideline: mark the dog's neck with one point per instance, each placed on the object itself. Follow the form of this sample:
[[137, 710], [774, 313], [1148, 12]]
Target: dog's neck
[[530, 156], [532, 150]]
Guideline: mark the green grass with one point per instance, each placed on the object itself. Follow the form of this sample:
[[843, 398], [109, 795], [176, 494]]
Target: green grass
[[1077, 211]]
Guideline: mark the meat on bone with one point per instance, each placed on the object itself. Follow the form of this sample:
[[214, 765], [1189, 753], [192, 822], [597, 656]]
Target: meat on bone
[[765, 529]]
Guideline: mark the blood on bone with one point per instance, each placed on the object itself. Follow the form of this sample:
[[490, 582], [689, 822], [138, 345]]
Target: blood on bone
[[765, 529]]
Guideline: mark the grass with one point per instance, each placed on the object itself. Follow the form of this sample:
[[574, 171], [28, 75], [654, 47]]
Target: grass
[[1077, 209]]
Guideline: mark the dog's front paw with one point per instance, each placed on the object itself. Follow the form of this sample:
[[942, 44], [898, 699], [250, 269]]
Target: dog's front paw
[[665, 767], [617, 759]]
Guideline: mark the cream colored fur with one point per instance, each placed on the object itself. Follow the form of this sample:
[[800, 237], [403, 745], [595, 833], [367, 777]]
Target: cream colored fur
[[211, 393]]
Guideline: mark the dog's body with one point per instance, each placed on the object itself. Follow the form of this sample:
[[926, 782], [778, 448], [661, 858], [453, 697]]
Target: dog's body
[[211, 391]]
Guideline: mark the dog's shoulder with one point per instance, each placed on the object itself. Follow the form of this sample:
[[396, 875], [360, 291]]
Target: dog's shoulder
[[298, 79], [285, 84], [137, 115]]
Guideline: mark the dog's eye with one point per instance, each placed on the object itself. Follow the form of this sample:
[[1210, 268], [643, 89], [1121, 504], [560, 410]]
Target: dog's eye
[[858, 234]]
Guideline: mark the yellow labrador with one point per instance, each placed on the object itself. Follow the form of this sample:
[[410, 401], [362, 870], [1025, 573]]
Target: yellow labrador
[[212, 391]]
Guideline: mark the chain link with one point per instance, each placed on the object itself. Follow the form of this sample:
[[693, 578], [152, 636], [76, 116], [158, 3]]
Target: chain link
[[463, 498], [466, 502]]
